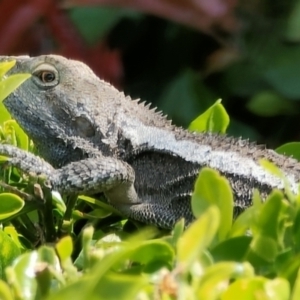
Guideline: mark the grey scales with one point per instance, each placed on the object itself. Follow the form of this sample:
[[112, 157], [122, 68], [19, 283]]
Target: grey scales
[[93, 139]]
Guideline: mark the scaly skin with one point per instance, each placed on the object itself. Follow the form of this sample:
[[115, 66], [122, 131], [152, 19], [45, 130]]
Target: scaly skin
[[95, 140]]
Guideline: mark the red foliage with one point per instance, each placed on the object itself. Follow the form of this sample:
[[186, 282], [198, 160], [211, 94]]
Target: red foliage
[[204, 15], [42, 26], [27, 26]]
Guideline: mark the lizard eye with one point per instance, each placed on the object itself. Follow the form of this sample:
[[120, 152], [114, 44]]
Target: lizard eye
[[45, 76]]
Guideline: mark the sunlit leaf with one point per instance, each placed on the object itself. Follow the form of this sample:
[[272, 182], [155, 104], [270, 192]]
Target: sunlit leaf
[[213, 189], [5, 66], [9, 251], [64, 248], [10, 204], [5, 291], [198, 236], [13, 128], [214, 119], [9, 84], [258, 288], [22, 275], [216, 278], [290, 149]]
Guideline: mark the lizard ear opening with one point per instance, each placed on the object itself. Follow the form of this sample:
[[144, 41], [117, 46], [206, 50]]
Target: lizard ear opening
[[84, 127], [45, 76]]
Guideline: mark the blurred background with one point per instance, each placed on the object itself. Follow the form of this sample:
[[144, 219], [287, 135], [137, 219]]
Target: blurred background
[[181, 55]]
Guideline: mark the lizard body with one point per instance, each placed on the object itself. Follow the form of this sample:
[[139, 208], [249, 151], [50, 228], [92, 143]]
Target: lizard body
[[94, 139]]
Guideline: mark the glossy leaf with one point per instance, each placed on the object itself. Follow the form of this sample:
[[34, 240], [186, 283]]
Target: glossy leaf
[[214, 119], [290, 149], [5, 291], [223, 251], [272, 168], [265, 242], [5, 115], [5, 66], [216, 278], [154, 250], [177, 231], [198, 236], [258, 288], [22, 274], [9, 84], [187, 91], [10, 204], [58, 202], [17, 133], [64, 248], [12, 232], [213, 189], [9, 251], [296, 290]]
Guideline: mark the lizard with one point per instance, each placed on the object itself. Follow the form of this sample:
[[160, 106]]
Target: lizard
[[93, 139]]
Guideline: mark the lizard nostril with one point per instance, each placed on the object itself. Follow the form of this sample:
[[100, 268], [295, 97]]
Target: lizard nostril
[[84, 127]]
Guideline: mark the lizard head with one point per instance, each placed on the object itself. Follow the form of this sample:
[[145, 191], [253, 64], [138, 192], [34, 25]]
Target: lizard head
[[63, 101]]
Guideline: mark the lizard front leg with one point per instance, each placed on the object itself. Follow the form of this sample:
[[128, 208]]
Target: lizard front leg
[[111, 176], [25, 161]]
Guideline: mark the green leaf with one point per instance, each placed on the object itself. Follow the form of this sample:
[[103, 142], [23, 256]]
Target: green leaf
[[58, 202], [18, 134], [9, 84], [187, 91], [9, 251], [10, 204], [48, 266], [216, 278], [214, 119], [12, 232], [270, 104], [293, 24], [5, 67], [94, 23], [22, 275], [177, 231], [282, 72], [258, 288], [246, 219], [99, 203], [48, 255], [224, 251], [213, 189], [4, 114], [111, 286], [155, 250], [296, 289], [272, 168], [64, 248], [98, 213], [267, 233], [290, 149], [242, 223], [128, 287], [198, 236], [5, 291]]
